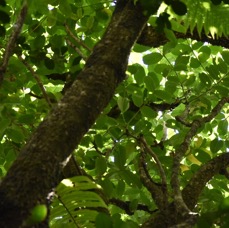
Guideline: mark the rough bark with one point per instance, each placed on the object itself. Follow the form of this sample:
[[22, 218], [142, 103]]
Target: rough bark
[[37, 169], [150, 37]]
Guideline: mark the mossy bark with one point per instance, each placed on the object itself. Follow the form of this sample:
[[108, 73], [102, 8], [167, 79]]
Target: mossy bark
[[38, 167]]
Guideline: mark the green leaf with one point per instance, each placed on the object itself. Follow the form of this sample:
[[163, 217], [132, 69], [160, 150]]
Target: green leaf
[[15, 134], [120, 188], [205, 79], [152, 58], [103, 220], [2, 31], [139, 76], [130, 178], [151, 82], [4, 17], [148, 112], [223, 127], [38, 42], [194, 63], [163, 95], [100, 165], [178, 110], [49, 63], [179, 8], [123, 104], [99, 140], [120, 157], [204, 54], [137, 98], [216, 145], [225, 55]]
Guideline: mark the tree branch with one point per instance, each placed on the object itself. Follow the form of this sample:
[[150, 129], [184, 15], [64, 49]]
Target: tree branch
[[12, 40], [125, 205], [77, 39], [38, 80], [38, 167], [155, 189], [199, 180], [180, 151], [160, 168], [150, 37]]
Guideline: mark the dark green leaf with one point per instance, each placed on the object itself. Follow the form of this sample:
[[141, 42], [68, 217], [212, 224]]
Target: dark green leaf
[[223, 127], [216, 145], [4, 17], [152, 58], [123, 104], [163, 95], [148, 112], [103, 220], [100, 165], [2, 31], [49, 63], [179, 7]]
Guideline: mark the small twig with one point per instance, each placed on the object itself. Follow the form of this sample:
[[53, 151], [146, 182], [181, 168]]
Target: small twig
[[181, 150], [12, 40], [36, 77], [125, 205], [77, 39], [159, 165], [182, 121], [78, 51], [154, 188]]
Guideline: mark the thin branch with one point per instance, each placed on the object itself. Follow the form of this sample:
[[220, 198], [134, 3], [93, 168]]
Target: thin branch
[[159, 165], [199, 180], [115, 111], [39, 82], [180, 151], [150, 37], [154, 188], [125, 205], [77, 39], [12, 40], [78, 51]]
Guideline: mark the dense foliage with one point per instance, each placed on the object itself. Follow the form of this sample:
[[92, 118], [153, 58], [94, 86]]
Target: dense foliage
[[164, 133]]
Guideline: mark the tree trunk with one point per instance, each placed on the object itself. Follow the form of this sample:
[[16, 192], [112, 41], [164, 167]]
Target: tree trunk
[[37, 169]]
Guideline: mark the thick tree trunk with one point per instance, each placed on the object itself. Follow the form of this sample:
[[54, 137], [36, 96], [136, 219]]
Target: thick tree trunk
[[37, 169]]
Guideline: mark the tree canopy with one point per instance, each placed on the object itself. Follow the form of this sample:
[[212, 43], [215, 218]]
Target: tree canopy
[[114, 113]]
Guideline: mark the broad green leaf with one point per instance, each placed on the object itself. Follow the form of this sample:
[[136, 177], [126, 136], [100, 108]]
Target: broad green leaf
[[103, 220], [225, 55], [205, 79], [151, 82], [152, 58], [194, 63], [100, 165], [123, 104], [130, 178], [137, 98], [216, 145], [163, 95], [120, 188], [223, 127], [15, 134], [222, 90], [204, 54], [99, 140], [178, 110], [120, 157], [139, 75], [148, 112]]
